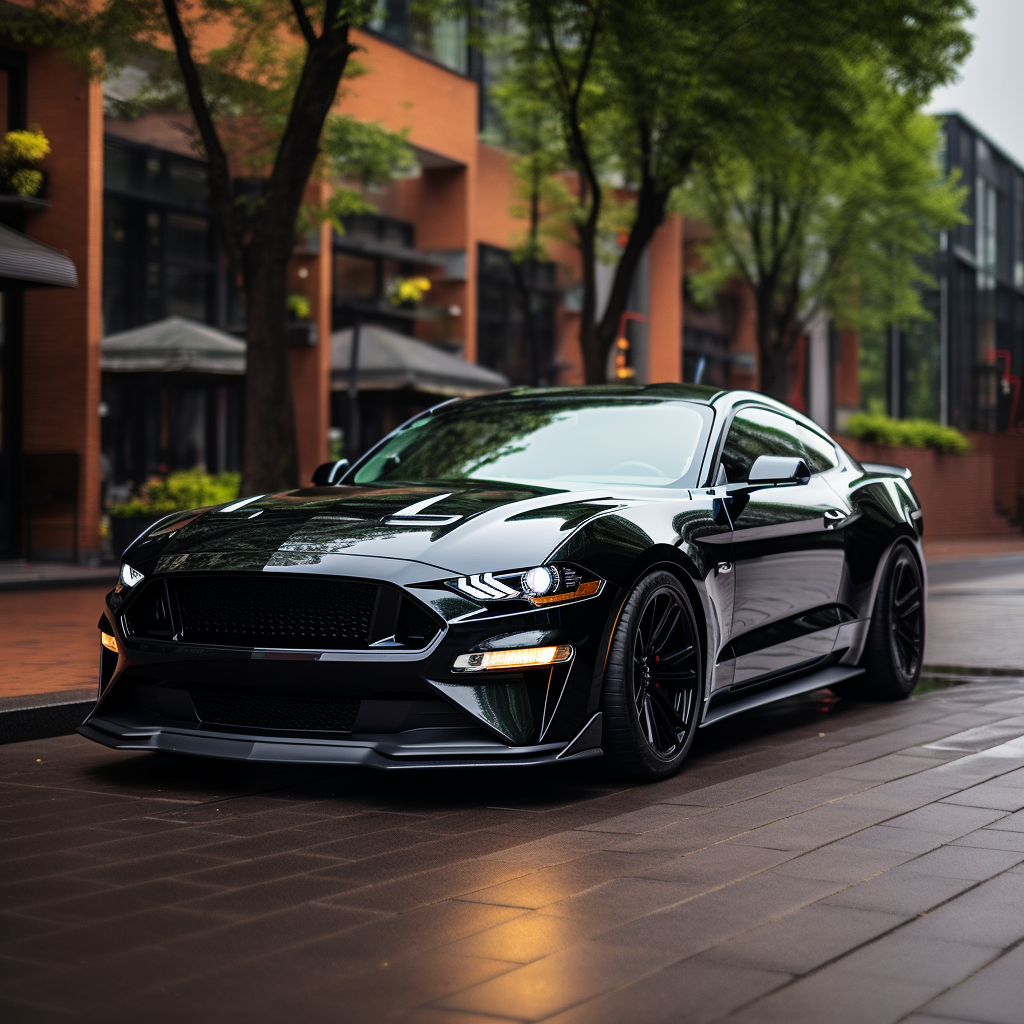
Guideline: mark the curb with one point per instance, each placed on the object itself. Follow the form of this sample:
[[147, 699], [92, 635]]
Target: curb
[[39, 715], [57, 582], [966, 670]]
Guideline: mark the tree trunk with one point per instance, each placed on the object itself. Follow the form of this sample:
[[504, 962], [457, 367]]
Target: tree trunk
[[270, 457], [650, 212], [776, 339], [259, 242]]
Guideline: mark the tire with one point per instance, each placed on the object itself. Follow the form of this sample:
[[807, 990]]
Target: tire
[[653, 686], [894, 650]]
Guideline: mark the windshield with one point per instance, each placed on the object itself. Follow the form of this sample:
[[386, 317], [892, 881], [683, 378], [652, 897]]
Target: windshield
[[550, 441]]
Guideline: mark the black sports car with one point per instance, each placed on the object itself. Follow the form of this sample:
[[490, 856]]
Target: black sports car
[[533, 576]]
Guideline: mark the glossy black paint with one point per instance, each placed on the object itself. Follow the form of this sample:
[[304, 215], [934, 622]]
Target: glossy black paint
[[781, 579]]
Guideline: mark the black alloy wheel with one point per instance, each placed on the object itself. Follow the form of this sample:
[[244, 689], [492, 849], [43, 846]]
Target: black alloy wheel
[[653, 685], [906, 618], [894, 651]]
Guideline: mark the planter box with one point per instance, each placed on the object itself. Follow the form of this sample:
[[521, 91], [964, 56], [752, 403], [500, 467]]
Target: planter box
[[124, 531], [957, 492]]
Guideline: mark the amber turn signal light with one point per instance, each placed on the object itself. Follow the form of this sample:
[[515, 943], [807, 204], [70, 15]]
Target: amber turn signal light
[[521, 657], [108, 641], [587, 589]]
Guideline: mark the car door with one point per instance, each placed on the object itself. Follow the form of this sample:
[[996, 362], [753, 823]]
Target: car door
[[788, 550]]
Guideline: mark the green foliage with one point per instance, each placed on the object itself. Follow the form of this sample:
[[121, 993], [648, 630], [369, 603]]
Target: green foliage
[[298, 307], [365, 151], [841, 221], [628, 94], [884, 430], [179, 492], [249, 82]]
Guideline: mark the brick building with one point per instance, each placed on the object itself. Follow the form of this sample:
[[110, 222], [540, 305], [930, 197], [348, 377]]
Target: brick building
[[126, 200]]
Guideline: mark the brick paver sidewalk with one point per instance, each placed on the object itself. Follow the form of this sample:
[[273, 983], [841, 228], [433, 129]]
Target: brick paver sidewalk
[[822, 861]]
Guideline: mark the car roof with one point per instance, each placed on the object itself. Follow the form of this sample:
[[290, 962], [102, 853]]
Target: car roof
[[698, 393]]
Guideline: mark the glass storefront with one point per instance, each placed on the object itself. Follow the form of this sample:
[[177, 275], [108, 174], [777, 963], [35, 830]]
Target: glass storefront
[[159, 255]]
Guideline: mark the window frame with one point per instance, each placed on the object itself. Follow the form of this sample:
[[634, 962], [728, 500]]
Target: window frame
[[740, 407]]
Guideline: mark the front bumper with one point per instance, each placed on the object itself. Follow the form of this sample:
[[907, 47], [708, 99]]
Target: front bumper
[[414, 710]]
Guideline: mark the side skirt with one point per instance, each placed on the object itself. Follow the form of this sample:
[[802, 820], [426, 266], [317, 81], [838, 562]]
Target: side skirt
[[804, 684]]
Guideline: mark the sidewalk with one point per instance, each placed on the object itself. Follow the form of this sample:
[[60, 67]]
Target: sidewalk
[[50, 640], [18, 574], [818, 861]]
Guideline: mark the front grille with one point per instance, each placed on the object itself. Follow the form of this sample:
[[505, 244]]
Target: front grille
[[277, 611], [263, 711], [260, 611]]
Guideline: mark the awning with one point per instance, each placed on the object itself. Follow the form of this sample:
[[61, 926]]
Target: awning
[[27, 263], [388, 360], [174, 345]]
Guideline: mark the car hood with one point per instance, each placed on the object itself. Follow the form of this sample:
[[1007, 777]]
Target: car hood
[[472, 528]]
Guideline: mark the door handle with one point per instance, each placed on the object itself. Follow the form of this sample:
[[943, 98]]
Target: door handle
[[834, 517]]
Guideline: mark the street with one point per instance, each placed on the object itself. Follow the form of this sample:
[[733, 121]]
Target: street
[[819, 860]]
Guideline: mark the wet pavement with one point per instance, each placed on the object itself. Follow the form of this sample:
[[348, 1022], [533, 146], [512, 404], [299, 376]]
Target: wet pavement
[[818, 860], [863, 858]]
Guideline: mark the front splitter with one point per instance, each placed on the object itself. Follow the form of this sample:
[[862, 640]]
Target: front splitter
[[375, 753]]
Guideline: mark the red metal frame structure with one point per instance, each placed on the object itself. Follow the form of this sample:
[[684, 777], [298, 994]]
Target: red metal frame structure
[[1009, 380]]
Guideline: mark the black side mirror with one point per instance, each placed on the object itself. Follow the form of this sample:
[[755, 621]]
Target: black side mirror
[[327, 474], [771, 470]]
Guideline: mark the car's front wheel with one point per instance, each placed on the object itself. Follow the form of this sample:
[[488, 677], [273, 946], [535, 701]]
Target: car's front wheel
[[654, 680]]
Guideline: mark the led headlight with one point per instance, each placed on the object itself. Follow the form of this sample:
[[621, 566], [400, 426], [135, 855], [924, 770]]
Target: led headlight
[[540, 581], [540, 585]]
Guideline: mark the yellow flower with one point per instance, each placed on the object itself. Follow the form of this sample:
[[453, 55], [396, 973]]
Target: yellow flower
[[27, 146], [409, 289]]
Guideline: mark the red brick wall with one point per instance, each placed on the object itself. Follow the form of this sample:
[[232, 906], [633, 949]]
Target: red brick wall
[[957, 492], [1007, 451], [62, 325]]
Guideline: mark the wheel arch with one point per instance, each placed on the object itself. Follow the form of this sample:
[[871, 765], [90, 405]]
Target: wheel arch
[[672, 560]]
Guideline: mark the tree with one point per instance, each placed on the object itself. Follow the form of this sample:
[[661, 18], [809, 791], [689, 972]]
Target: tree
[[533, 134], [260, 79], [642, 88], [836, 222]]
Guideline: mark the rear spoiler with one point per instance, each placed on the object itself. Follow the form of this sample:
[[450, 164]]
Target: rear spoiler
[[886, 469]]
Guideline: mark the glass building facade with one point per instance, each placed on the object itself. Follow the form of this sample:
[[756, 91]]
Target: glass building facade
[[964, 366]]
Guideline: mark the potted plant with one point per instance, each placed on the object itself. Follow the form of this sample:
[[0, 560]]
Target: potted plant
[[300, 327], [407, 292], [177, 492], [21, 154]]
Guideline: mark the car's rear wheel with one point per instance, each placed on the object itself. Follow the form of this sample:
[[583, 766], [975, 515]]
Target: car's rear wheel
[[894, 650], [654, 681]]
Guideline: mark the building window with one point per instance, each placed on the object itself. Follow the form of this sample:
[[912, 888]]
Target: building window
[[159, 255], [518, 345], [372, 254], [440, 39]]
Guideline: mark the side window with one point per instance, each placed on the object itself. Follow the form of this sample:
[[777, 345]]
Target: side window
[[820, 454], [755, 432]]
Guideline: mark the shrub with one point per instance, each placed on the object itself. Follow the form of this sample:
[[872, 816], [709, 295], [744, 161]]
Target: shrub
[[884, 430], [190, 488], [20, 154], [298, 307]]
